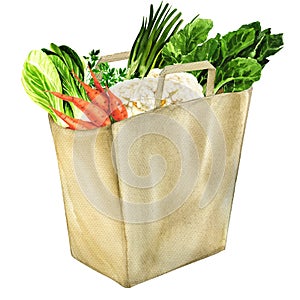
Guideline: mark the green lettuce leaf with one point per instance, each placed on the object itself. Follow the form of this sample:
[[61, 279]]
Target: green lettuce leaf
[[68, 86], [39, 75], [237, 75]]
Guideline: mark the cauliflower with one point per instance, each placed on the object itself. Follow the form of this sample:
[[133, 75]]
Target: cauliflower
[[138, 95]]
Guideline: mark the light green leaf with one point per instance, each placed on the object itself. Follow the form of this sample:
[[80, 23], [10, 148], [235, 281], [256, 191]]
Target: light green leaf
[[39, 75]]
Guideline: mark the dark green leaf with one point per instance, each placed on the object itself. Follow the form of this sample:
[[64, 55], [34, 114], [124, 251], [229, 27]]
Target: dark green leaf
[[75, 60], [270, 44], [69, 85], [237, 75], [236, 41]]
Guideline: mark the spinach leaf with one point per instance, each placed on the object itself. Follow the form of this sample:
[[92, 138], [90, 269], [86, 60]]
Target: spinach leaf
[[236, 41], [237, 75], [209, 50], [265, 44], [270, 44], [255, 25], [186, 40]]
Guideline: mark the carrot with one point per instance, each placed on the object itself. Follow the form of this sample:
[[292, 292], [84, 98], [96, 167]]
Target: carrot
[[96, 114], [97, 96], [102, 101], [116, 107], [96, 82], [74, 124]]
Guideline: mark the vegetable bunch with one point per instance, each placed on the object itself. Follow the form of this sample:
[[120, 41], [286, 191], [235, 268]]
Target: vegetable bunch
[[155, 32], [51, 70], [239, 56], [105, 108], [109, 75]]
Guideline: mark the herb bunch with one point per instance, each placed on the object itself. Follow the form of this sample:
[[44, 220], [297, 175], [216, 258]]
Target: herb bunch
[[106, 74]]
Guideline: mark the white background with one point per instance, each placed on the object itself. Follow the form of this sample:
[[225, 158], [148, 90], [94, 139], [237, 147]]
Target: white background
[[262, 258]]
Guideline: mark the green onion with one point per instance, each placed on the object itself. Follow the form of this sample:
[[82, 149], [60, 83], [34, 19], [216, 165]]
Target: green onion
[[155, 32]]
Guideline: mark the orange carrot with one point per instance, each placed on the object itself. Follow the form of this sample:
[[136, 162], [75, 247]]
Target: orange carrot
[[96, 82], [116, 107], [74, 124], [96, 114], [102, 101], [97, 97]]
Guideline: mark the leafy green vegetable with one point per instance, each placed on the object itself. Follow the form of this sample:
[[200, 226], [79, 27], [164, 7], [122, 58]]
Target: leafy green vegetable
[[76, 60], [265, 45], [230, 54], [51, 70], [109, 75], [73, 64], [209, 50], [154, 33], [39, 75], [68, 86], [185, 41], [270, 44], [236, 41], [237, 75]]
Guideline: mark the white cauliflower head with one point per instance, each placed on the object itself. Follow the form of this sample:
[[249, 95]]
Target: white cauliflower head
[[138, 95]]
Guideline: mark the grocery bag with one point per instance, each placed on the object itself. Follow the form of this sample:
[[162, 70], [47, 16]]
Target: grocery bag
[[154, 192]]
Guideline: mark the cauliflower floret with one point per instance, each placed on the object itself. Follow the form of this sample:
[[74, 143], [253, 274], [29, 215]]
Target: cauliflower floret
[[138, 95], [183, 78]]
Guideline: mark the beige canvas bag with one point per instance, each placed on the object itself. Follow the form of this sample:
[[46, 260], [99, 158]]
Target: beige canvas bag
[[153, 192]]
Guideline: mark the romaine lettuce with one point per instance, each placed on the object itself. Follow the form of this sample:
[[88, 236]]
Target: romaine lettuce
[[39, 75]]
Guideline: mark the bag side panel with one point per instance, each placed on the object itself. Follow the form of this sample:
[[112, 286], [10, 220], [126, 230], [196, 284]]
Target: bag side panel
[[195, 141], [86, 172]]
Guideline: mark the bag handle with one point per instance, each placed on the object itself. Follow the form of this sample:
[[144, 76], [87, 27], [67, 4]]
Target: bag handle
[[114, 57], [193, 66]]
